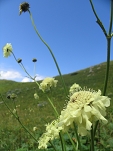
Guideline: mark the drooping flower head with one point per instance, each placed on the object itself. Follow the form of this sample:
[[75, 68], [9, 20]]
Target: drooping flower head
[[47, 84], [84, 108], [7, 49], [52, 132], [23, 7]]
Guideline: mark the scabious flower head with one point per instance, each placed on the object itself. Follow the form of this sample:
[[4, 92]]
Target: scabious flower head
[[23, 7], [7, 49], [75, 87], [84, 109], [36, 96], [52, 132], [47, 84]]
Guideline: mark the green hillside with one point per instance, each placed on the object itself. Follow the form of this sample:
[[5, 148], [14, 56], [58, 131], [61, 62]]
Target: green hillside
[[38, 113], [92, 77]]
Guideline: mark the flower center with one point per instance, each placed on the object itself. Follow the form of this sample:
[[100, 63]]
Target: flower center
[[81, 98]]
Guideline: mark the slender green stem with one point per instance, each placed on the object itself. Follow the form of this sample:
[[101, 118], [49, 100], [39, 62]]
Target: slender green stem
[[78, 138], [111, 18], [52, 145], [95, 128], [72, 142], [108, 64], [108, 37], [108, 49], [34, 69], [22, 66], [27, 72], [62, 142], [92, 139], [26, 129], [50, 53], [17, 117], [106, 75], [54, 108], [98, 20]]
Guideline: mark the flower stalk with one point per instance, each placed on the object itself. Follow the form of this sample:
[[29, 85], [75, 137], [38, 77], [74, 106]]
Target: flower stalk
[[52, 145], [78, 138], [50, 52], [108, 38], [92, 139]]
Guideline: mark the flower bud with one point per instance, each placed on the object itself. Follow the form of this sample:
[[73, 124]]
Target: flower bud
[[19, 60], [34, 60]]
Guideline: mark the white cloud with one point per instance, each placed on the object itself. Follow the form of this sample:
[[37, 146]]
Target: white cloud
[[26, 80], [17, 76], [10, 75], [38, 77]]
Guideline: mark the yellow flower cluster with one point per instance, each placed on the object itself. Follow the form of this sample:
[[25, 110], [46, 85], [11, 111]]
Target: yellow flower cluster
[[52, 132], [7, 49], [47, 84]]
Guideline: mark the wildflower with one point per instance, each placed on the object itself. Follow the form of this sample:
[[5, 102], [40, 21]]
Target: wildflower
[[52, 132], [36, 96], [75, 87], [23, 7], [14, 111], [47, 84], [7, 49], [84, 109], [34, 129]]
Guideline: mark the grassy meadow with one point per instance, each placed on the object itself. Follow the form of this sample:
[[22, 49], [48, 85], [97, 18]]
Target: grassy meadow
[[36, 113]]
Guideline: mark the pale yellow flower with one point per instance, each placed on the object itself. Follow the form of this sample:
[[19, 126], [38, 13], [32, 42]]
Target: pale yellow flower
[[7, 49], [34, 129], [84, 108], [47, 84], [14, 111], [52, 132], [43, 141], [36, 96], [75, 87]]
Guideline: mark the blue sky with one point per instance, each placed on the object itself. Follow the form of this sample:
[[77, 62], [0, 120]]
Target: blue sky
[[68, 26]]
